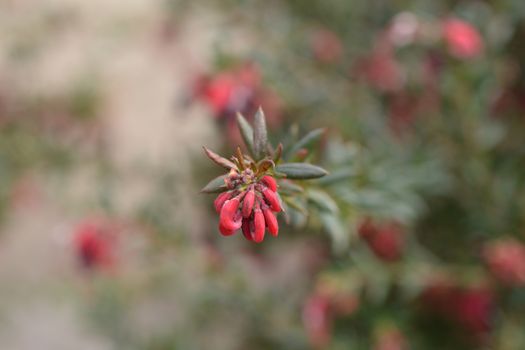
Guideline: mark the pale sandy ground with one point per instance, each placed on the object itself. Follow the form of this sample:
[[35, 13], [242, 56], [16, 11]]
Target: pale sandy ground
[[142, 78], [118, 42]]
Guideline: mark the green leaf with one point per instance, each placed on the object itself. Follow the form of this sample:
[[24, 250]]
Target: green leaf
[[306, 141], [278, 153], [296, 218], [246, 132], [297, 204], [335, 228], [337, 176], [218, 159], [289, 187], [322, 201], [260, 134], [216, 185], [300, 171]]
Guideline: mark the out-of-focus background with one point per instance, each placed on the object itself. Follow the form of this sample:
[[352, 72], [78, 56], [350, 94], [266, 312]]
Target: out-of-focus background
[[416, 239]]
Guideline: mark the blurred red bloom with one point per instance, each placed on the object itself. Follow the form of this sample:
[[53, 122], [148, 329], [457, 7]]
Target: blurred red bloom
[[462, 39], [471, 308], [509, 100], [386, 240], [326, 46], [474, 308], [94, 243], [506, 260], [217, 92], [381, 70], [317, 319], [237, 90]]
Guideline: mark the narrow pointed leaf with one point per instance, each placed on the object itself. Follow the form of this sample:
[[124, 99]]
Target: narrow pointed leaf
[[260, 134], [296, 204], [246, 132], [322, 201], [300, 171], [336, 229], [216, 185], [338, 176], [305, 142], [278, 153], [240, 157], [289, 187], [265, 164], [218, 159]]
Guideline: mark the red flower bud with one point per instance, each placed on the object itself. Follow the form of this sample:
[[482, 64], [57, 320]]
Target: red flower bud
[[247, 229], [271, 222], [247, 205], [225, 232], [228, 218], [269, 182], [219, 201], [272, 200], [259, 225]]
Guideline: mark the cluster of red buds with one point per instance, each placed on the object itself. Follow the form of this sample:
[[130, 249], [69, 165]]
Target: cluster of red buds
[[250, 204], [95, 244], [249, 198], [386, 240], [505, 258]]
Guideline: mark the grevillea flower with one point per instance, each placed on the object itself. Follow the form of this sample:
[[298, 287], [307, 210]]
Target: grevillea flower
[[505, 258], [462, 39], [248, 197], [249, 203]]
